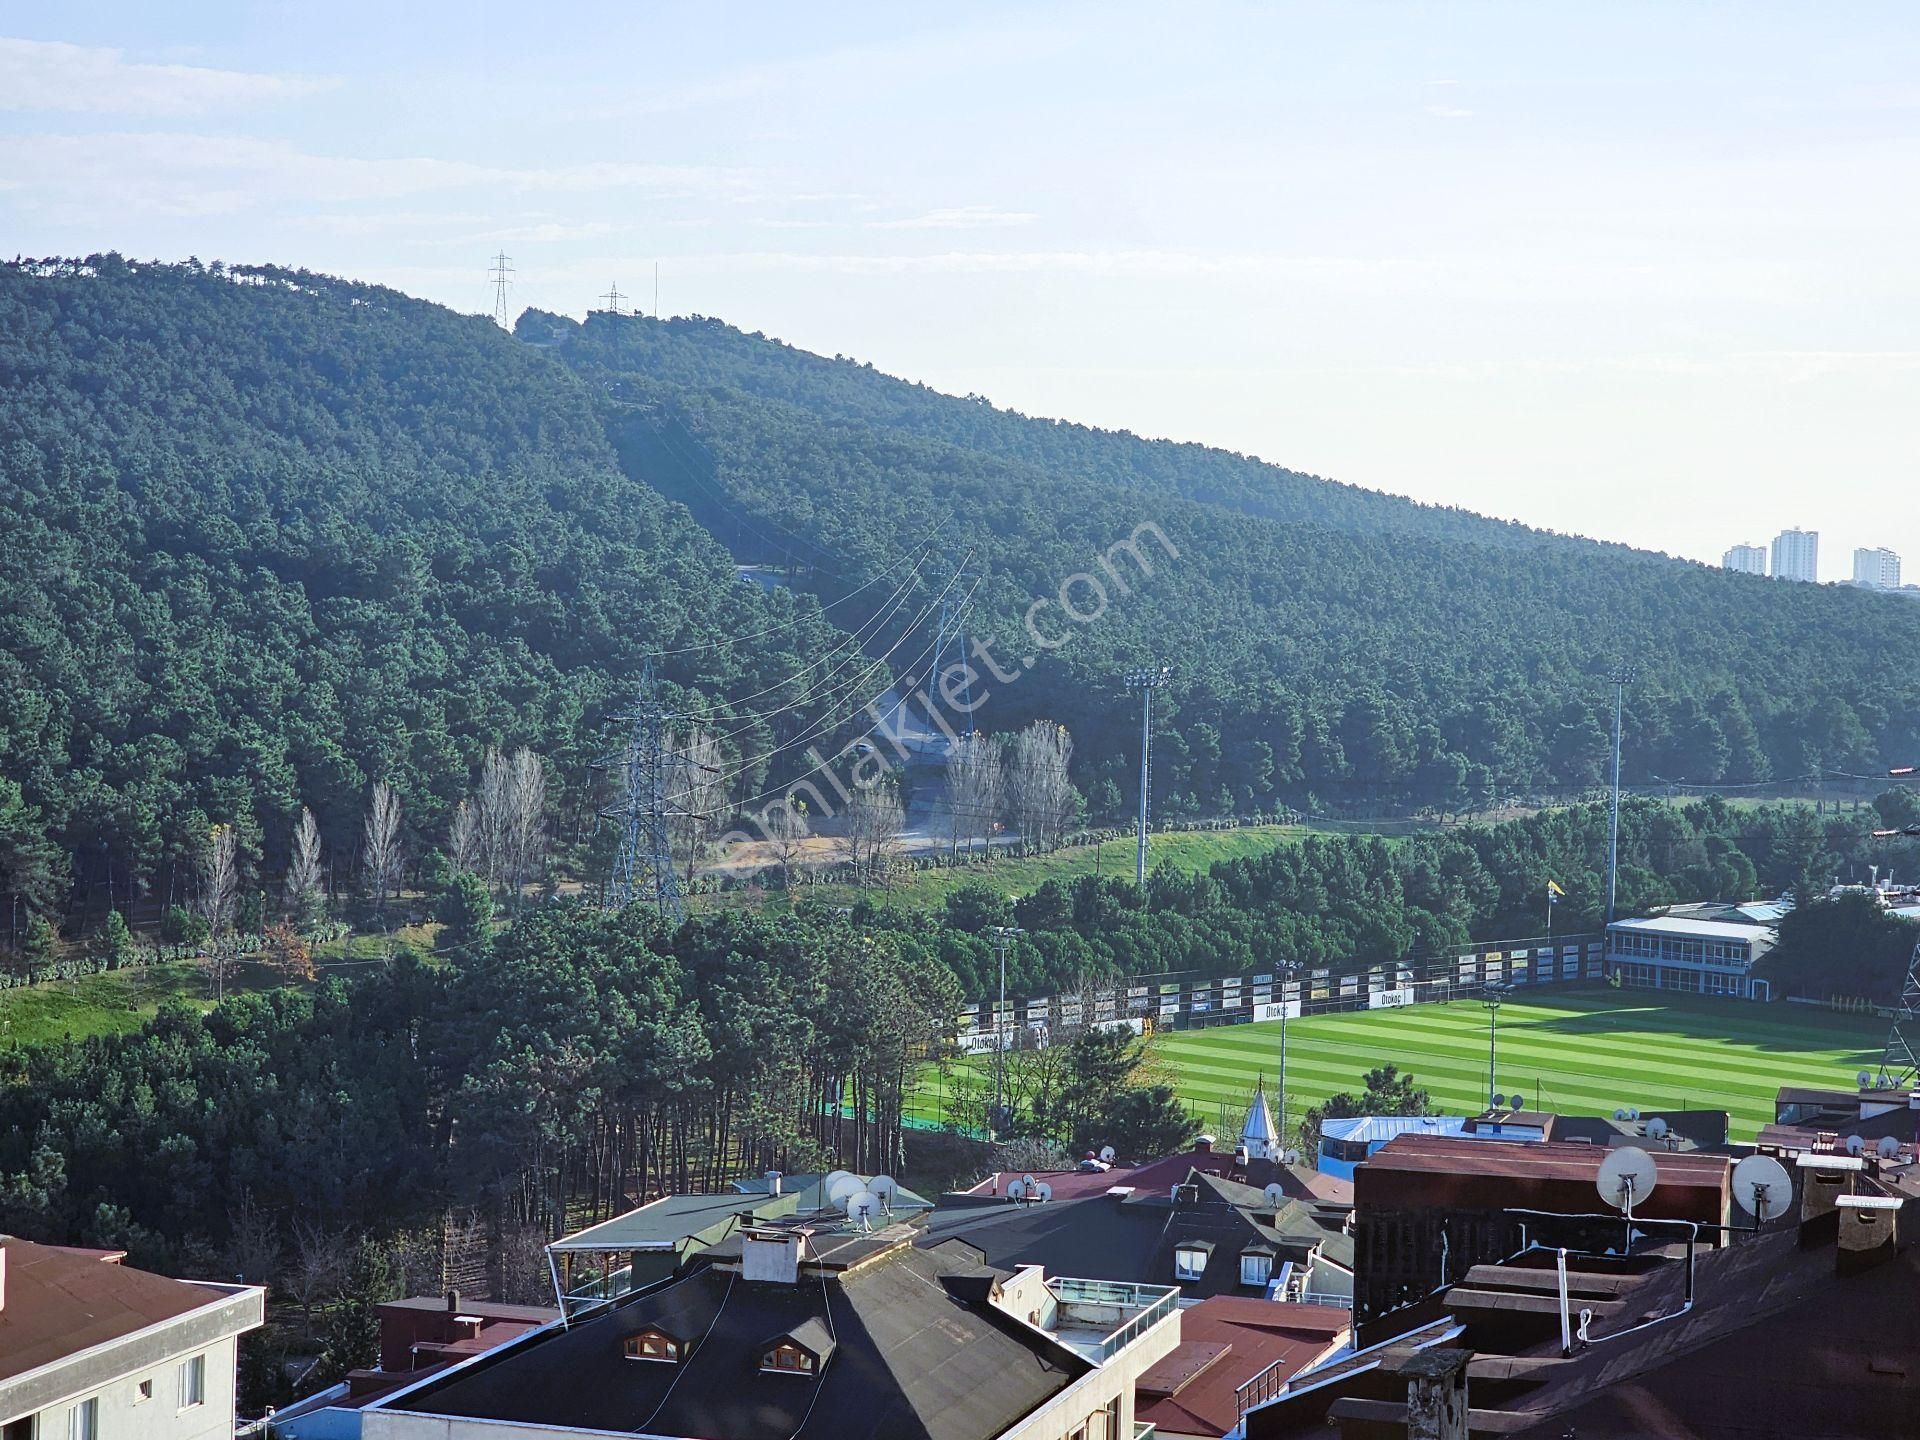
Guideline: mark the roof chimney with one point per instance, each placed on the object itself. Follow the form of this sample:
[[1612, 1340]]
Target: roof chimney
[[772, 1254], [773, 1182], [1203, 1143], [453, 1302], [1437, 1394]]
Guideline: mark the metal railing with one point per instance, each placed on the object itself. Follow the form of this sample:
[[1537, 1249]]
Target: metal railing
[[1152, 1302]]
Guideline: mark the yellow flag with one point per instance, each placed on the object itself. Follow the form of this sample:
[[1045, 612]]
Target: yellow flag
[[1554, 889]]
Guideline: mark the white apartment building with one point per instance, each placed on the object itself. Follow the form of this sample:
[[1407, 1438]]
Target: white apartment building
[[1747, 559], [1876, 569], [1796, 555], [93, 1350]]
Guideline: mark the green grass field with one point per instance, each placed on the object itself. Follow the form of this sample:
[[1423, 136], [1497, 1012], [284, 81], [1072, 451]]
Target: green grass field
[[119, 1000], [1588, 1052]]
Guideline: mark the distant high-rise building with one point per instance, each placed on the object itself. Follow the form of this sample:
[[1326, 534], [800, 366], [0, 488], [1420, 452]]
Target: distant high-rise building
[[1796, 555], [1876, 569], [1747, 559]]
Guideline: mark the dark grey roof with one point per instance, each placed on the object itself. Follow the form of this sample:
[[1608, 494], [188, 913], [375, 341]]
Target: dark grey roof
[[913, 1358], [1133, 1237]]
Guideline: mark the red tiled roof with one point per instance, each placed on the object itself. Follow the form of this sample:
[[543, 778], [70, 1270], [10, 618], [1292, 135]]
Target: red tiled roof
[[58, 1302], [1442, 1155], [1225, 1342]]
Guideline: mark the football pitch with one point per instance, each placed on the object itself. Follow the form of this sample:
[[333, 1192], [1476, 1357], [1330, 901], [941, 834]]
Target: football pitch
[[1590, 1052]]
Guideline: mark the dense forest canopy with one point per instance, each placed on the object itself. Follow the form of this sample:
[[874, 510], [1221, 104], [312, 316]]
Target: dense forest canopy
[[1329, 642], [267, 538]]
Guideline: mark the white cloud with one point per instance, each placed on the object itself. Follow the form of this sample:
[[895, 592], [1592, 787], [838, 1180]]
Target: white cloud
[[963, 217], [1448, 112], [52, 75], [218, 174]]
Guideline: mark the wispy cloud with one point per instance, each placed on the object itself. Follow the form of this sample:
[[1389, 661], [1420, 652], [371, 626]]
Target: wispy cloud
[[53, 75], [1448, 112], [963, 217], [217, 174]]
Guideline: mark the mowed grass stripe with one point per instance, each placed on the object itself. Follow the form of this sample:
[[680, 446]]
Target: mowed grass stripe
[[1588, 1051]]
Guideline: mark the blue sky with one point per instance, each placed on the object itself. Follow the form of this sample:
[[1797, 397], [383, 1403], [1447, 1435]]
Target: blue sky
[[1643, 271]]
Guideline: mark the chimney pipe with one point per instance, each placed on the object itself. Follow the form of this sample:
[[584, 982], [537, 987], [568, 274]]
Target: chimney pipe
[[1437, 1394], [453, 1302], [1204, 1144], [773, 1182]]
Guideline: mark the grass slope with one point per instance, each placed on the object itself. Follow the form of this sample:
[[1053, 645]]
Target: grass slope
[[1589, 1051], [116, 1001]]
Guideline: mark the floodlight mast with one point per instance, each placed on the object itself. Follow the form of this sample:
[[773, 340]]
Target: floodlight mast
[[1002, 938], [1146, 679], [1623, 676], [1900, 1060]]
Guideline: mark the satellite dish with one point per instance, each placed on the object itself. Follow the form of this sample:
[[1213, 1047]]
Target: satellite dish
[[1855, 1145], [832, 1178], [1107, 1153], [838, 1190], [1499, 1102], [887, 1188], [1888, 1147], [1633, 1112], [1865, 1077], [862, 1206], [1292, 1157], [1621, 1113], [1761, 1186], [1276, 1195], [1016, 1190], [1043, 1192], [1656, 1128], [1626, 1175]]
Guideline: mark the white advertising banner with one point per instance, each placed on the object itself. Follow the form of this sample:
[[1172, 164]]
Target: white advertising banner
[[1275, 1009], [1389, 999]]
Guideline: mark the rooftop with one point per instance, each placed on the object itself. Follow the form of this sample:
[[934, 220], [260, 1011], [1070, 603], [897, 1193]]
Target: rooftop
[[1548, 1160], [662, 1224], [1699, 929], [918, 1352], [56, 1302], [1224, 1343]]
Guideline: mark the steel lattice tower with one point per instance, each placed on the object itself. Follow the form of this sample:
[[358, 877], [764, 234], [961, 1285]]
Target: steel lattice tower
[[643, 870], [1900, 1066]]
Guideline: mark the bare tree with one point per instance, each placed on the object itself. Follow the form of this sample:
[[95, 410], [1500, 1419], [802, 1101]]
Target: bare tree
[[974, 782], [305, 887], [872, 823], [1039, 794], [380, 854], [524, 825], [219, 880], [319, 1265], [785, 826], [253, 1243], [493, 817], [219, 891], [463, 838], [696, 794]]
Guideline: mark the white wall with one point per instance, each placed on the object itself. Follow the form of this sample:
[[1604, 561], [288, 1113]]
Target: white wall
[[124, 1416]]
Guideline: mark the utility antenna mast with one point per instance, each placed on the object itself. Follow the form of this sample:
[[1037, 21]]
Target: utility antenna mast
[[1146, 680], [643, 870], [952, 635], [613, 297], [502, 276]]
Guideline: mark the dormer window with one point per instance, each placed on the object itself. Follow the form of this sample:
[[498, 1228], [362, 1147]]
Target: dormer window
[[653, 1343], [1256, 1267], [787, 1359], [803, 1350], [1190, 1259]]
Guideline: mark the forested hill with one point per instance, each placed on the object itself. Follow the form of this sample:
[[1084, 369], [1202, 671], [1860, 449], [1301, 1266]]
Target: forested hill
[[1328, 641], [267, 536]]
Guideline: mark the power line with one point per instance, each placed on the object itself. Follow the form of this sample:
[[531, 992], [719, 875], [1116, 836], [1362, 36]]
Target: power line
[[643, 869]]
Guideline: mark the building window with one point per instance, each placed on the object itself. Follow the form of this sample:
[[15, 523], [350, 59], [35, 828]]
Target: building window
[[143, 1392], [653, 1345], [83, 1421], [193, 1382], [1256, 1267], [1189, 1262], [787, 1360]]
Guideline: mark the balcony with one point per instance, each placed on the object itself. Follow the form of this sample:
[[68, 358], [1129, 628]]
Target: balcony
[[1099, 1318]]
